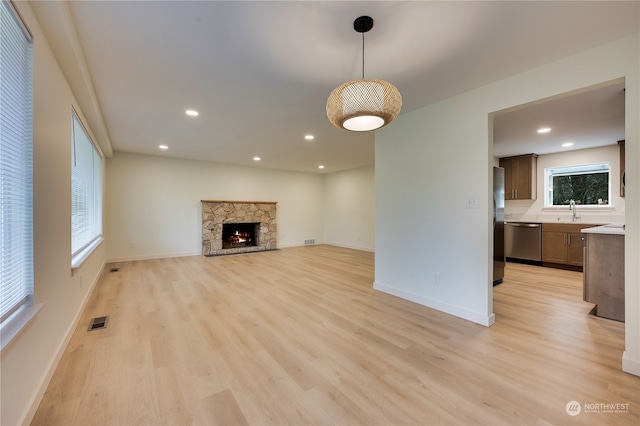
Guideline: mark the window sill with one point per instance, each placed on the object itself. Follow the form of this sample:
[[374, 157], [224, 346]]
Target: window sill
[[16, 324], [580, 208], [78, 259]]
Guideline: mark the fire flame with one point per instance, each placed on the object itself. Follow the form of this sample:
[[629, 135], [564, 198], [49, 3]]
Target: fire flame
[[238, 238]]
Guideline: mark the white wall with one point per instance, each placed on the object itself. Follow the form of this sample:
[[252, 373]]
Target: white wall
[[349, 208], [431, 160], [154, 207], [534, 209], [429, 247], [28, 362]]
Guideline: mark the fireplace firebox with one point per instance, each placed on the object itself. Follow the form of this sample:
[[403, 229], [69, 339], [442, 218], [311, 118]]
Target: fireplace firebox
[[235, 235]]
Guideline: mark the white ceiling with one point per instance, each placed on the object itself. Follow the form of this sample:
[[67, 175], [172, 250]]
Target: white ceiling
[[591, 118], [259, 72]]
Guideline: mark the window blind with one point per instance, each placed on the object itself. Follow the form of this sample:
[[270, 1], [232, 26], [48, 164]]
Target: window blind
[[16, 163], [86, 190]]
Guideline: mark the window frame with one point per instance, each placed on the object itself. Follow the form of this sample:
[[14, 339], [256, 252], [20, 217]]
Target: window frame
[[21, 310], [81, 254], [578, 169]]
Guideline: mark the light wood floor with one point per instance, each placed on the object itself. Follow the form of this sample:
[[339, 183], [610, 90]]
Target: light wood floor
[[298, 337]]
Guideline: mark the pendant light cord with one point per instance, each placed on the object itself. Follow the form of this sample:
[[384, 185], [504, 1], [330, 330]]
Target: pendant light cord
[[363, 56]]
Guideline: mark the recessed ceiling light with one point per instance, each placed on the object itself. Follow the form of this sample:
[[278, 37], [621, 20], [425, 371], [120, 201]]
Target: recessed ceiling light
[[321, 166], [256, 158], [163, 147], [544, 130], [566, 144], [192, 112], [308, 137]]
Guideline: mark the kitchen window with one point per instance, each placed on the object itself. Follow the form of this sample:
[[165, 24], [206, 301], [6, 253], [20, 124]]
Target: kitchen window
[[586, 185]]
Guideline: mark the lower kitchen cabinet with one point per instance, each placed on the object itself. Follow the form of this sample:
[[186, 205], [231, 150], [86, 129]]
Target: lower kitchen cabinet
[[575, 250], [562, 244], [554, 246]]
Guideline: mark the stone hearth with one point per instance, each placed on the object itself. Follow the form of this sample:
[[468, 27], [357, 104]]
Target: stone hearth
[[215, 213]]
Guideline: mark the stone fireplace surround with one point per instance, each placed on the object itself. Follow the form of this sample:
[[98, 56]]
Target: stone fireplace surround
[[217, 212]]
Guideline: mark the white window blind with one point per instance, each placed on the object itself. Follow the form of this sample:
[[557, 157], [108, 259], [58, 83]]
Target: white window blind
[[86, 190], [16, 163]]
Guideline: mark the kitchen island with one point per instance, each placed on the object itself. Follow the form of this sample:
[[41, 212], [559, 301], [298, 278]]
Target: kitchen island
[[603, 278]]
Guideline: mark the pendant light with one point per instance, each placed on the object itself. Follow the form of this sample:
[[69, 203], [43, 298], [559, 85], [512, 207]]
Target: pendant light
[[364, 104]]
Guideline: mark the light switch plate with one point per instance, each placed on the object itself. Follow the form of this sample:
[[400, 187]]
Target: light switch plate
[[473, 202]]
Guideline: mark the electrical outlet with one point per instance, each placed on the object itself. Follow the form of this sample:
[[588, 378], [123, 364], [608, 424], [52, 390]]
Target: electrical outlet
[[132, 244], [436, 279]]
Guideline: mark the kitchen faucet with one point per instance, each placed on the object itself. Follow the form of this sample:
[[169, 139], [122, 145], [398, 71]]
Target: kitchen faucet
[[572, 207]]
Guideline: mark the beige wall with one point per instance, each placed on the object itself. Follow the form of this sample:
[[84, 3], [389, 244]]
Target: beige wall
[[349, 208], [28, 362], [153, 203]]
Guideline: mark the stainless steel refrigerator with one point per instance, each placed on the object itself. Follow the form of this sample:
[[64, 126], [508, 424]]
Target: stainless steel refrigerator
[[498, 225]]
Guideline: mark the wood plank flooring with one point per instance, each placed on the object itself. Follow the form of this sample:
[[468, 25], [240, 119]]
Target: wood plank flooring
[[299, 337]]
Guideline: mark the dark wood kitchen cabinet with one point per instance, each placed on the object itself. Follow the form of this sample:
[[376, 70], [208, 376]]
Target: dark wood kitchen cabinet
[[562, 244], [520, 177], [554, 246]]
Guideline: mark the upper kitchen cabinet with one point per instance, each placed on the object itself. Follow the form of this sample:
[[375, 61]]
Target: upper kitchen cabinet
[[519, 177]]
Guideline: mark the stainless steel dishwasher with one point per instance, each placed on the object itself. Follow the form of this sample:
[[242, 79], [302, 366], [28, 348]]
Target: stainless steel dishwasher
[[523, 241]]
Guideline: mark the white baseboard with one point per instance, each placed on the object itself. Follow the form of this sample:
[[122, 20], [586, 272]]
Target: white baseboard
[[153, 256], [631, 366], [361, 248], [283, 246], [328, 243], [199, 253], [486, 320], [42, 388]]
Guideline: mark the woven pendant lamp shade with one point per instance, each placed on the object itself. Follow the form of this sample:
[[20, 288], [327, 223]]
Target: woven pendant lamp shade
[[363, 105]]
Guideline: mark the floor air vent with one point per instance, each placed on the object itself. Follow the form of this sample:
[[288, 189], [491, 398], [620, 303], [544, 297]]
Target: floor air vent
[[114, 269], [98, 323]]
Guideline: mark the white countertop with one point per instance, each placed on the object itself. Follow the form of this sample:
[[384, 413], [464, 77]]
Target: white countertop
[[577, 222], [584, 217], [612, 228]]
